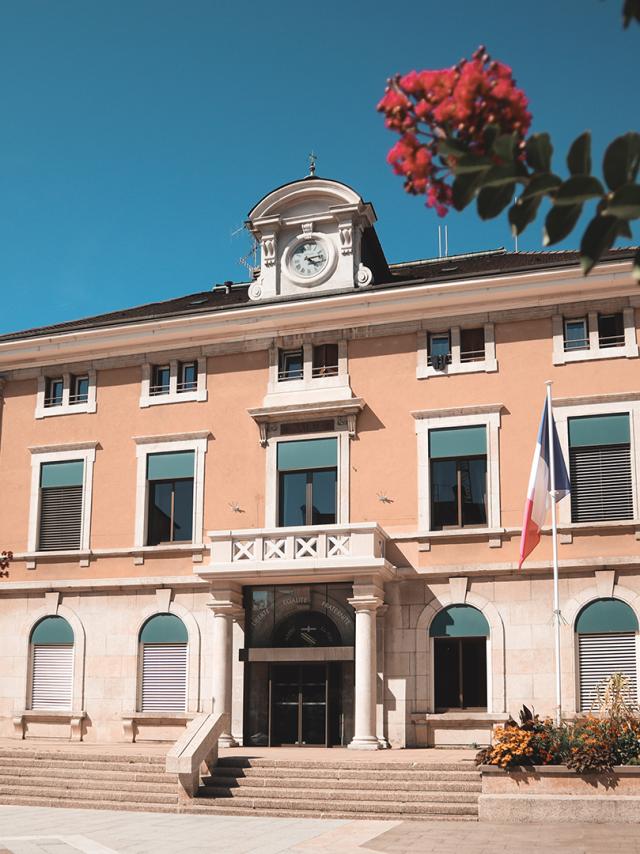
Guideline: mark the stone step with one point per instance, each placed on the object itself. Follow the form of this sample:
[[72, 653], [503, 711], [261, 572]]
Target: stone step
[[340, 795], [239, 808], [339, 764], [131, 776], [81, 803], [140, 767], [89, 794], [41, 753], [372, 782], [397, 808], [45, 781], [322, 772]]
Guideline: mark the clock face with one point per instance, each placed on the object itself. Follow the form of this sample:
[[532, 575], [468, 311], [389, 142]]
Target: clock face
[[309, 258]]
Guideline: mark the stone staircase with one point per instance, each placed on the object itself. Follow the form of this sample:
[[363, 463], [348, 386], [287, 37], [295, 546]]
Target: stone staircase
[[336, 788]]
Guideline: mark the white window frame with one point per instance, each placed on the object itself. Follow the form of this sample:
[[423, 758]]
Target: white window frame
[[173, 396], [308, 382], [480, 416], [487, 365], [628, 350], [85, 451], [566, 408], [196, 442], [342, 474], [65, 408]]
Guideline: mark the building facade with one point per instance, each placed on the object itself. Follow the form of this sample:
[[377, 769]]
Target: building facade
[[298, 499]]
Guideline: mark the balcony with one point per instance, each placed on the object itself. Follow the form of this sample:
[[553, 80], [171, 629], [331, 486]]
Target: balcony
[[318, 552]]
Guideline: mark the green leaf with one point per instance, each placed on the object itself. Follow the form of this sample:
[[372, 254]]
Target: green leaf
[[450, 146], [540, 185], [504, 147], [493, 200], [625, 203], [471, 163], [636, 266], [560, 222], [539, 151], [630, 10], [579, 157], [623, 229], [578, 189], [465, 188], [523, 212], [621, 160], [598, 237], [497, 176]]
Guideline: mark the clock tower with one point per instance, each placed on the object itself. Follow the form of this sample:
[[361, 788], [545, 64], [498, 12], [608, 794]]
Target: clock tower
[[315, 236]]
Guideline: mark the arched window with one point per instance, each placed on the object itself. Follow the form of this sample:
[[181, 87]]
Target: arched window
[[163, 655], [460, 635], [51, 683], [606, 632]]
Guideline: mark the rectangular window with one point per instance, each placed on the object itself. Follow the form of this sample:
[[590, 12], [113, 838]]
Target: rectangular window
[[79, 392], [576, 335], [600, 468], [325, 360], [307, 482], [290, 364], [472, 345], [187, 376], [170, 490], [53, 391], [60, 523], [611, 330], [439, 353], [458, 469], [160, 380]]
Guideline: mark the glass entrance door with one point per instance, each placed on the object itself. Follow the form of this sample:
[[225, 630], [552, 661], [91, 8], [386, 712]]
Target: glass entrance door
[[299, 704]]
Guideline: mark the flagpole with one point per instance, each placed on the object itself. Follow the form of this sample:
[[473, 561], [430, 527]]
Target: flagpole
[[554, 537]]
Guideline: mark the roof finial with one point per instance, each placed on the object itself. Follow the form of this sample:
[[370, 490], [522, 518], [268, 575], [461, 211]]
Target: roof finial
[[312, 165]]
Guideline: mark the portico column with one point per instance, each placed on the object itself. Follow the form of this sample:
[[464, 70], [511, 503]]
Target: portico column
[[225, 609], [365, 737]]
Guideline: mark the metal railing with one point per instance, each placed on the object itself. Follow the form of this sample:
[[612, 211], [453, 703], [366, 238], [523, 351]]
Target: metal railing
[[472, 355]]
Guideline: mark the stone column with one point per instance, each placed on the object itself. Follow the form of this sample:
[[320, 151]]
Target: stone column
[[380, 721], [365, 737], [225, 608]]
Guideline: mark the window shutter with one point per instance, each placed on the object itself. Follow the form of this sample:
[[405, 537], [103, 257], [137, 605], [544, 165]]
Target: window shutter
[[602, 655], [164, 677], [52, 676], [60, 518], [601, 485]]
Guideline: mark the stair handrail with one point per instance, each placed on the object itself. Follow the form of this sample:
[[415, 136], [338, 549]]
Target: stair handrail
[[197, 745]]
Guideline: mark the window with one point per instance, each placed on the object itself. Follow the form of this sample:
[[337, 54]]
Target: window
[[606, 631], [60, 525], [170, 491], [472, 345], [458, 477], [160, 382], [325, 360], [459, 635], [163, 667], [53, 393], [576, 335], [79, 392], [187, 377], [456, 351], [600, 468], [611, 330], [290, 364], [307, 482], [51, 658]]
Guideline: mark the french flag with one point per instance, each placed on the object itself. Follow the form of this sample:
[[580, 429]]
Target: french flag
[[538, 493]]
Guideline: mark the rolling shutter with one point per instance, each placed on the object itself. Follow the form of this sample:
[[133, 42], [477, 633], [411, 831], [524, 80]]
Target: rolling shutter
[[601, 485], [164, 677], [52, 676], [602, 655], [61, 505]]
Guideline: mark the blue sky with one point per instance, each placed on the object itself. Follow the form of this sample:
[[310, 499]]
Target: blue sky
[[137, 134]]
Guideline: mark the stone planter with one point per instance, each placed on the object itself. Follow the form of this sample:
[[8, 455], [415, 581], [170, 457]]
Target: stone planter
[[555, 793]]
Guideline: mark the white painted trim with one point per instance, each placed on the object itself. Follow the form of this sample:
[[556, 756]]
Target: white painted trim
[[159, 445], [564, 409], [488, 419], [343, 465], [628, 350], [487, 365], [173, 395], [64, 452], [291, 392], [66, 408]]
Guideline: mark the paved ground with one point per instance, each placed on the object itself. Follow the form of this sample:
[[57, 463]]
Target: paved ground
[[35, 830]]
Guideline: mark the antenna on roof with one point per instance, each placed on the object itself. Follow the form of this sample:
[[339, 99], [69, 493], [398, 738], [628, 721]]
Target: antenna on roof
[[515, 233], [250, 258], [442, 230]]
